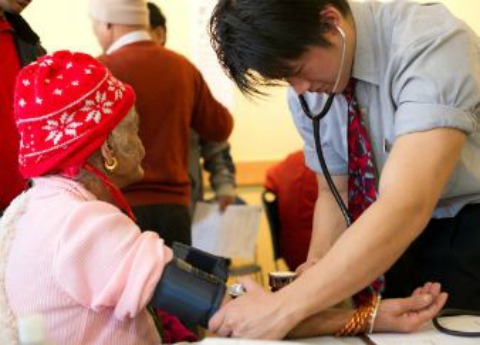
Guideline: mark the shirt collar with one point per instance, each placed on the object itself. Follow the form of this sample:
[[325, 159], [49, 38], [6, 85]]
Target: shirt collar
[[366, 51], [132, 37]]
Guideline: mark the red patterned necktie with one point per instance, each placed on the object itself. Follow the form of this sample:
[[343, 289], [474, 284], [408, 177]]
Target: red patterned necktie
[[362, 177]]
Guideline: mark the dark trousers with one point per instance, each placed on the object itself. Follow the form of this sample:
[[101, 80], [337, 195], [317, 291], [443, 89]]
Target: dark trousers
[[448, 252], [171, 222]]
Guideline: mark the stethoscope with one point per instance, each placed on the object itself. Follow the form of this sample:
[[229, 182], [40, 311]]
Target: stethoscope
[[343, 208], [316, 131]]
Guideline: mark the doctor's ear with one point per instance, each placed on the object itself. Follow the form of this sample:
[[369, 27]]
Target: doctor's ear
[[330, 18]]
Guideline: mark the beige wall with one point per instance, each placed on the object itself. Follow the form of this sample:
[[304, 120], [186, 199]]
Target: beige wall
[[263, 130]]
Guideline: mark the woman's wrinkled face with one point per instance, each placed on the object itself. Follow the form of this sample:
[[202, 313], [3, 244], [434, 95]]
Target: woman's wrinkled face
[[128, 150]]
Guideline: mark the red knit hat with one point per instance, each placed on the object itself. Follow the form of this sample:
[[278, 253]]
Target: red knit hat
[[66, 104]]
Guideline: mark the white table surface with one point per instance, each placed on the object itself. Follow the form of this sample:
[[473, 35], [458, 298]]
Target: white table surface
[[428, 335], [317, 340]]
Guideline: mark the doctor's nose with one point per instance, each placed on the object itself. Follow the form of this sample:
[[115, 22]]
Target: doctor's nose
[[299, 85]]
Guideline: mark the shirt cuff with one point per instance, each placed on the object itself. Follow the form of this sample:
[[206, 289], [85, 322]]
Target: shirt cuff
[[415, 117]]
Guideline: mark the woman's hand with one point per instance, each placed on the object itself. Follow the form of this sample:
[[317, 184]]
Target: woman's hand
[[258, 314], [409, 314]]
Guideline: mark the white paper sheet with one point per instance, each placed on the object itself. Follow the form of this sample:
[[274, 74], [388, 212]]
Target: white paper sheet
[[430, 336], [231, 234]]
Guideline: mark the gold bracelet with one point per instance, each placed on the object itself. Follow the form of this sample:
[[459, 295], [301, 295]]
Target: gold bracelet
[[361, 320], [371, 322]]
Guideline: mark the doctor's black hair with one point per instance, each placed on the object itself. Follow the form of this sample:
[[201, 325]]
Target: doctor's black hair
[[255, 40]]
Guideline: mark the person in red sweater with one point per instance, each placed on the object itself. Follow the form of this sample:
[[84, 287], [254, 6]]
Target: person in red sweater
[[172, 99], [19, 46], [296, 189]]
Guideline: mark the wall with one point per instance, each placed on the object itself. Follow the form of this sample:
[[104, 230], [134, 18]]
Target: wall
[[263, 130]]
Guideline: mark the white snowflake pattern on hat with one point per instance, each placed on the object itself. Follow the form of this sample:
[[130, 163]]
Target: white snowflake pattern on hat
[[73, 102], [46, 63], [65, 126], [97, 107], [115, 86]]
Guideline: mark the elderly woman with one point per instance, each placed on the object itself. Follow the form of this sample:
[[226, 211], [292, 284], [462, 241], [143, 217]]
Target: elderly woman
[[69, 253]]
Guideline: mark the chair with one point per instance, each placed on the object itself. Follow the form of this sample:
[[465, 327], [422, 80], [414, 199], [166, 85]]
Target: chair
[[270, 204], [291, 191], [249, 268]]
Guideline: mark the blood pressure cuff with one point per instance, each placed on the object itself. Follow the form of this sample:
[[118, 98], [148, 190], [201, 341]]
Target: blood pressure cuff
[[209, 263], [188, 293]]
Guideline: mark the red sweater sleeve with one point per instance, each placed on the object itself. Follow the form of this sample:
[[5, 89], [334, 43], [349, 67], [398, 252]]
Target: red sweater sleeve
[[211, 120]]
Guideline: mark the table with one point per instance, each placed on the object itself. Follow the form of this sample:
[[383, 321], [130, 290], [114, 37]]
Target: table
[[428, 335]]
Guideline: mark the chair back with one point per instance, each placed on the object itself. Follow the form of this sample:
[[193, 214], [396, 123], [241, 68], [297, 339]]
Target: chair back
[[270, 204]]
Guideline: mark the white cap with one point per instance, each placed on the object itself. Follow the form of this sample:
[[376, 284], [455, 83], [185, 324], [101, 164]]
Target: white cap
[[127, 12], [31, 329]]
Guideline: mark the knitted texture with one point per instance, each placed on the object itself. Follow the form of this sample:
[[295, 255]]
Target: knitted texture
[[8, 324], [66, 104]]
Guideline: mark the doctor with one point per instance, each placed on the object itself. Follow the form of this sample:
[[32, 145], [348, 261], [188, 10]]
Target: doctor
[[401, 141]]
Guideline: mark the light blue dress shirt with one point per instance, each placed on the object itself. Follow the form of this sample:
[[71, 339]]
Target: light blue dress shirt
[[418, 68]]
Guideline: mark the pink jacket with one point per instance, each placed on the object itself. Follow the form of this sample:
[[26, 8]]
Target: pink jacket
[[85, 266]]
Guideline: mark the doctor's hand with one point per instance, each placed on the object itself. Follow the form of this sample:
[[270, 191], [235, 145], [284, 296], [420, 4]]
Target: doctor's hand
[[258, 314], [409, 314]]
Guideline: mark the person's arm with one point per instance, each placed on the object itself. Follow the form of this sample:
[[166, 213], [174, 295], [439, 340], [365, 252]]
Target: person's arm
[[402, 315], [411, 184], [211, 120], [412, 181], [327, 322], [104, 261], [218, 161], [328, 222]]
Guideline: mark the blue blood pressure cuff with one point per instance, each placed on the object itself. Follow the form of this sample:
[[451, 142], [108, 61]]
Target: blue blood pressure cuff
[[209, 263], [188, 293]]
